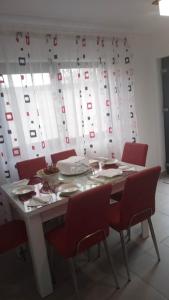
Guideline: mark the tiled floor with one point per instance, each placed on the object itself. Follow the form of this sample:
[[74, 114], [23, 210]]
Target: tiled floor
[[150, 281]]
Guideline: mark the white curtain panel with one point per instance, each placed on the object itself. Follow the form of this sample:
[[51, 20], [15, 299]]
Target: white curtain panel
[[59, 92]]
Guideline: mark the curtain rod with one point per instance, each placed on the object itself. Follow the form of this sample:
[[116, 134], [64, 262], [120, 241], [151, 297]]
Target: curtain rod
[[61, 32]]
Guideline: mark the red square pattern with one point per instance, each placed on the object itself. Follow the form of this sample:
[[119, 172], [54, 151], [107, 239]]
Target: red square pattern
[[92, 134], [63, 109], [110, 130], [86, 75], [22, 77], [43, 144], [67, 140], [108, 102], [1, 79], [9, 116], [55, 41], [27, 113], [89, 105], [113, 155], [16, 151], [83, 42], [105, 74], [33, 147], [59, 76]]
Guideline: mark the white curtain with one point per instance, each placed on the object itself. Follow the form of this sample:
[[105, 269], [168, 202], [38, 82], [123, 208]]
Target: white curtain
[[60, 92]]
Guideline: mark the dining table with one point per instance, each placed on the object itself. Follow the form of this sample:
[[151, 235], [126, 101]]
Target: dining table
[[45, 204]]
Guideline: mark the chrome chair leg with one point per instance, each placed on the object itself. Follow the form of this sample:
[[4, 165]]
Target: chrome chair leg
[[128, 234], [125, 255], [110, 260], [73, 273], [22, 253], [154, 238], [98, 250], [88, 255]]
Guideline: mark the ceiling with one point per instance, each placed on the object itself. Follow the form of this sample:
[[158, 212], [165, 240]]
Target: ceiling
[[92, 15]]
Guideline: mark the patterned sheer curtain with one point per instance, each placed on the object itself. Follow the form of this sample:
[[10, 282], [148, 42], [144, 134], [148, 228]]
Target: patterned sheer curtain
[[60, 92]]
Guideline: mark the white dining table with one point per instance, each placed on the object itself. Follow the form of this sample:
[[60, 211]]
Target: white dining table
[[34, 218]]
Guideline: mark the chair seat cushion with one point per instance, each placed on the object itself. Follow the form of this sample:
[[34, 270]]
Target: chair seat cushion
[[12, 234], [60, 241]]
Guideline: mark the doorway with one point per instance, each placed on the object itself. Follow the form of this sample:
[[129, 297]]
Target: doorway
[[165, 88]]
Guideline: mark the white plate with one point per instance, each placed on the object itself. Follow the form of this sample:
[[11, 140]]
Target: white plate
[[68, 189], [126, 168], [93, 161], [21, 182], [97, 179], [111, 162], [77, 172], [123, 167], [21, 190]]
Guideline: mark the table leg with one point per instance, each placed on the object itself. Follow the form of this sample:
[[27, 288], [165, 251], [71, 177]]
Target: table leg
[[145, 229], [39, 255]]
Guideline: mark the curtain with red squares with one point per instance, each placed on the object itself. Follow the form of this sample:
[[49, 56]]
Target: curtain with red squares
[[59, 92]]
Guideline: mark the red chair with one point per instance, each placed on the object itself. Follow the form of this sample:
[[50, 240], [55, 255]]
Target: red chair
[[135, 153], [136, 205], [85, 225], [28, 168], [55, 157], [12, 235]]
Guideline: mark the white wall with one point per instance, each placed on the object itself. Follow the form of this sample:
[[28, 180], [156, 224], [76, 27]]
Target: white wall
[[149, 97]]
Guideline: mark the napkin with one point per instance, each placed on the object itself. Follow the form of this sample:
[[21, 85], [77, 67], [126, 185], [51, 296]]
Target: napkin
[[43, 199], [111, 166], [26, 196], [109, 173], [35, 180]]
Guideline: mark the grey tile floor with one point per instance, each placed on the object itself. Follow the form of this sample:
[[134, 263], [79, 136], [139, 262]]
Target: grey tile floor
[[150, 281]]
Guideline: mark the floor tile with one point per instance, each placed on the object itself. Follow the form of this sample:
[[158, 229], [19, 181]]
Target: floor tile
[[137, 289], [153, 273]]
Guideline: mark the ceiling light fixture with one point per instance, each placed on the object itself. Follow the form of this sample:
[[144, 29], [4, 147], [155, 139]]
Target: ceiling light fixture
[[163, 6]]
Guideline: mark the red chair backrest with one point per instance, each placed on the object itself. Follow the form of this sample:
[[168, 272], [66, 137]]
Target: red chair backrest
[[12, 234], [28, 168], [87, 214], [55, 157], [135, 153], [138, 199]]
